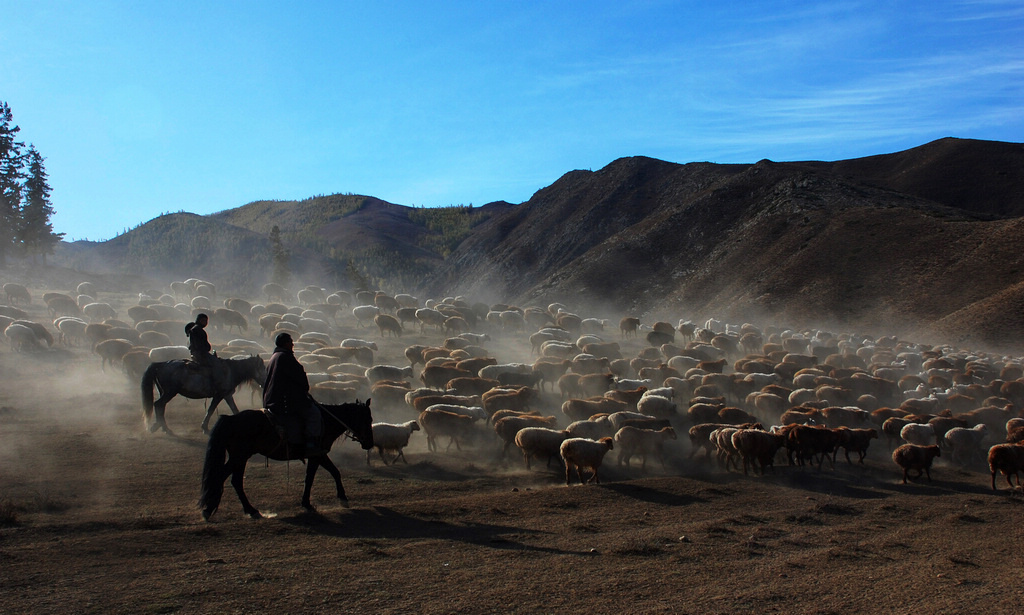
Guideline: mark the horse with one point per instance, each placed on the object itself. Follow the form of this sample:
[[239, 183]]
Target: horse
[[251, 432], [177, 377]]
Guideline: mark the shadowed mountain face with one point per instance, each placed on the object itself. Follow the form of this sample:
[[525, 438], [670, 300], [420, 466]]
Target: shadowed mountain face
[[926, 242], [868, 244]]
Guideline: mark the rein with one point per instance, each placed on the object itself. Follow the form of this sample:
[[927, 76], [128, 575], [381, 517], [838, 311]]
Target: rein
[[346, 432]]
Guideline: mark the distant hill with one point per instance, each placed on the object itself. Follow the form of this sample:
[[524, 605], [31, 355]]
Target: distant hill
[[926, 242]]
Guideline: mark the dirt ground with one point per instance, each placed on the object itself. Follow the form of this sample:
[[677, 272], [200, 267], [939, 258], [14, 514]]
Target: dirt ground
[[99, 516]]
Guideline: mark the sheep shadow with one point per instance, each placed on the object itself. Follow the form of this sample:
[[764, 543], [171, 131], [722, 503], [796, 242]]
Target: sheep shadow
[[381, 522]]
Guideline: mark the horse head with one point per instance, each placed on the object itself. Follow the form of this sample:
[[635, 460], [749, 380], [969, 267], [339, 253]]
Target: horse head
[[361, 424]]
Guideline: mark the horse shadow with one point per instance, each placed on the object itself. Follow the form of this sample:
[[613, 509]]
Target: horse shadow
[[381, 522]]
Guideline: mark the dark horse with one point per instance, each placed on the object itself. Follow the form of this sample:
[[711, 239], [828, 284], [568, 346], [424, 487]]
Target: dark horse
[[249, 433], [179, 378]]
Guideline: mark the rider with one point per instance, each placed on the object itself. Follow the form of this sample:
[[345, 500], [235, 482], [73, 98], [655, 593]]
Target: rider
[[198, 344], [287, 391]]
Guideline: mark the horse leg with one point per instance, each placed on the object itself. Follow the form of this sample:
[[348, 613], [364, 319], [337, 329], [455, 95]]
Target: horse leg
[[209, 413], [231, 403], [311, 466], [158, 414], [332, 469], [237, 476]]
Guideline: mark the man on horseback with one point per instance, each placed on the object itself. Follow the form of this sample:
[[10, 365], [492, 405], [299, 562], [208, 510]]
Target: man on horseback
[[286, 391], [199, 347]]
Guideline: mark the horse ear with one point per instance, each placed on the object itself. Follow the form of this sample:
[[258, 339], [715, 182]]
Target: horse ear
[[367, 402]]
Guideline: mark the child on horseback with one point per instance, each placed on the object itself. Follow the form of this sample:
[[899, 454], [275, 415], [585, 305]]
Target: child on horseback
[[286, 391], [198, 344]]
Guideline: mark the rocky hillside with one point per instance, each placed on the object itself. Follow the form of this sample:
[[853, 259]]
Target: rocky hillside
[[924, 242]]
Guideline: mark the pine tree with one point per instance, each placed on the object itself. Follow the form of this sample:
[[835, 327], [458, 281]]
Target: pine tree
[[12, 163], [281, 257], [37, 234]]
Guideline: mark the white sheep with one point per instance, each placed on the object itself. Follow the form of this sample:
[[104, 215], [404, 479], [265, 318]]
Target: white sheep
[[617, 418], [473, 412], [921, 434], [358, 343], [392, 437], [593, 429], [387, 372], [365, 313], [22, 337], [643, 442], [580, 453], [540, 442], [168, 353], [656, 406], [631, 384], [966, 443], [493, 372]]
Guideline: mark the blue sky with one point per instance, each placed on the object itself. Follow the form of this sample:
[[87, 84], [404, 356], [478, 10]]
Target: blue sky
[[142, 108]]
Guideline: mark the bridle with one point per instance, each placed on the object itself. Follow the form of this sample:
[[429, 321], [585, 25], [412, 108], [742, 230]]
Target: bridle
[[347, 431]]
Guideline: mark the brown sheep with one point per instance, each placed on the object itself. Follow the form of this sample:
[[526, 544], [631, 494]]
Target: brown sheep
[[917, 458], [1008, 459], [808, 442], [470, 385], [643, 442], [856, 440], [757, 447], [508, 427], [437, 423], [515, 400], [582, 409], [437, 376]]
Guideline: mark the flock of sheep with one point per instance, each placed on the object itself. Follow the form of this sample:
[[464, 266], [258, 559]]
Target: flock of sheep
[[745, 395]]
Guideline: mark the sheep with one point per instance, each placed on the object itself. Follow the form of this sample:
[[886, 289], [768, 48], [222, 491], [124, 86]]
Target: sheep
[[16, 293], [1008, 459], [473, 412], [700, 436], [856, 440], [508, 400], [921, 434], [72, 330], [580, 453], [168, 353], [633, 441], [387, 372], [423, 401], [758, 446], [391, 437], [365, 313], [437, 423], [508, 427], [722, 439], [807, 442], [540, 442], [656, 406], [112, 351], [21, 337], [966, 443], [915, 457], [593, 429]]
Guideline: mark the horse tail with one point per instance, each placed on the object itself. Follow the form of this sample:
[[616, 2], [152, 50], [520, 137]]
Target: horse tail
[[148, 381], [213, 480]]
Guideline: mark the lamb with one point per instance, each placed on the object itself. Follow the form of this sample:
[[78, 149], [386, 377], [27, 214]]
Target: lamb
[[643, 442], [758, 446], [917, 458], [391, 437], [921, 434], [966, 443], [540, 442], [1008, 459], [580, 453]]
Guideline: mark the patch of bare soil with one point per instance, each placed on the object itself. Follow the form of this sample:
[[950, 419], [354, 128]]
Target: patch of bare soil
[[99, 516]]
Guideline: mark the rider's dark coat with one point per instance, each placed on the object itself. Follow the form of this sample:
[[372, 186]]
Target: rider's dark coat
[[198, 343], [286, 388]]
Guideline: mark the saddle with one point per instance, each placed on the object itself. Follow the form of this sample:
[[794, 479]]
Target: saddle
[[289, 426]]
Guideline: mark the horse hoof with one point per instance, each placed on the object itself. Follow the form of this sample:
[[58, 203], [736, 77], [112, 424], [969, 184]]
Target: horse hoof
[[344, 504], [207, 514], [154, 427], [254, 514]]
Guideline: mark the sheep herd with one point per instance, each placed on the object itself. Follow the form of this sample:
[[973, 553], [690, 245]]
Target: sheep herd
[[570, 388]]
